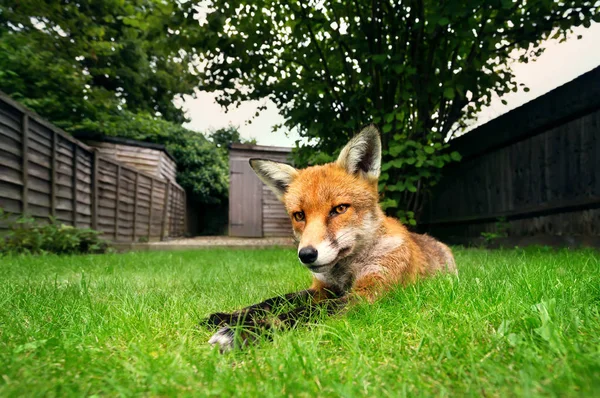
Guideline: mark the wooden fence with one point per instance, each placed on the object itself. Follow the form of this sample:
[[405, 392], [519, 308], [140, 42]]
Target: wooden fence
[[534, 170], [46, 172]]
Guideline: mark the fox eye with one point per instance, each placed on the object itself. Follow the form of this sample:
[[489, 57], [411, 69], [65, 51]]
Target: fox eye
[[340, 209], [298, 216]]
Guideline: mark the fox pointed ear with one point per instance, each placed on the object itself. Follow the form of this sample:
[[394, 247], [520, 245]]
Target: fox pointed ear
[[362, 155], [277, 176]]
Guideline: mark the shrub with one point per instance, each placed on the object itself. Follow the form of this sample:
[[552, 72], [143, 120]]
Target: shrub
[[27, 236]]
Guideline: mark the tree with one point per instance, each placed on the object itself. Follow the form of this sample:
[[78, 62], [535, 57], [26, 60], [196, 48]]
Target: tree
[[419, 69], [226, 136], [74, 61]]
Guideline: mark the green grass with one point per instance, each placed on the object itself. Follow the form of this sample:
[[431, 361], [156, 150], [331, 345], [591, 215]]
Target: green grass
[[514, 322]]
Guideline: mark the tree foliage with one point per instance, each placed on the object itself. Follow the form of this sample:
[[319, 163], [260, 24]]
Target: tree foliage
[[419, 69], [73, 61]]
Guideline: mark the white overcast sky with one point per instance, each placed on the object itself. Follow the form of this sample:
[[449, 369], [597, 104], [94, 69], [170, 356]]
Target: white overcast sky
[[560, 63]]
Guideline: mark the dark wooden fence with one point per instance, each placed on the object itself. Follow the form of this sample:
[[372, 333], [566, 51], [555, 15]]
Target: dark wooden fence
[[536, 169], [46, 172]]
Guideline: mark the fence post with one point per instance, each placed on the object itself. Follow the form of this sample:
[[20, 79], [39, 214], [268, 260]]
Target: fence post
[[150, 209], [163, 232], [135, 205], [53, 174], [25, 162], [94, 195], [118, 200], [75, 185]]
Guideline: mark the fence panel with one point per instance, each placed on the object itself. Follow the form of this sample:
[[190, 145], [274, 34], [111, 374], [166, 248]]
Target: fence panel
[[536, 167], [45, 172]]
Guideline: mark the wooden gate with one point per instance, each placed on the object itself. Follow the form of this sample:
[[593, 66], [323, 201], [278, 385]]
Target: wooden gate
[[245, 203], [253, 210]]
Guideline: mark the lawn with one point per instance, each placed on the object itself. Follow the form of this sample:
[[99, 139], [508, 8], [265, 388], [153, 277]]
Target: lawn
[[514, 322]]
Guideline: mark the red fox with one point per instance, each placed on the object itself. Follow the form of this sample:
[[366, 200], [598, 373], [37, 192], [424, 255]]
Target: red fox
[[345, 240]]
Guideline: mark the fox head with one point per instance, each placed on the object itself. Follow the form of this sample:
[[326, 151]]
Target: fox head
[[333, 207]]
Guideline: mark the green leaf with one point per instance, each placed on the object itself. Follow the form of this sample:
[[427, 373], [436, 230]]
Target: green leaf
[[379, 58], [397, 163], [398, 68], [388, 203], [400, 186], [449, 93], [455, 156], [396, 149]]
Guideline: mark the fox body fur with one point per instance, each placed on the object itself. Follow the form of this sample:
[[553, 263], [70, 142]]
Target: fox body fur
[[345, 240]]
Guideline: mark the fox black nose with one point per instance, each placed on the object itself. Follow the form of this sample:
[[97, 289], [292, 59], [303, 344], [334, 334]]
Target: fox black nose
[[308, 254]]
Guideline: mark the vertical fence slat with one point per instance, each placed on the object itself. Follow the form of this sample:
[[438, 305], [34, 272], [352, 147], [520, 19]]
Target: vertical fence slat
[[178, 212], [185, 229], [94, 189], [181, 213], [53, 174], [164, 226], [75, 152], [135, 204], [118, 200], [174, 212], [170, 211], [171, 215], [25, 162], [150, 210]]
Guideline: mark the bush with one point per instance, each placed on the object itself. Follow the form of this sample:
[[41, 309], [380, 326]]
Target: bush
[[27, 236]]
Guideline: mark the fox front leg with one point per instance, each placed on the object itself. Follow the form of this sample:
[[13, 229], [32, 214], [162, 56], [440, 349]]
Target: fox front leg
[[248, 314], [230, 337]]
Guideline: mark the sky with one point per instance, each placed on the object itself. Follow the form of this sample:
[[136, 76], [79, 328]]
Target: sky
[[560, 63]]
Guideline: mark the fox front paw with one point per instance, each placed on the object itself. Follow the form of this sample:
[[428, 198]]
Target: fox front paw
[[224, 338]]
